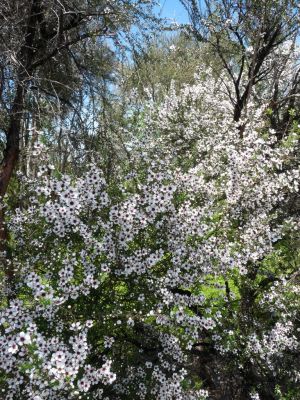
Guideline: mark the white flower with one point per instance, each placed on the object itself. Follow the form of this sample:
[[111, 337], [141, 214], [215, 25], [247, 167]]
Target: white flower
[[83, 385], [24, 338], [13, 348], [89, 323], [76, 326], [108, 341]]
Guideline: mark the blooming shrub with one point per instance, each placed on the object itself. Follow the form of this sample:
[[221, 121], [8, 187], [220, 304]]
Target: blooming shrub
[[117, 284]]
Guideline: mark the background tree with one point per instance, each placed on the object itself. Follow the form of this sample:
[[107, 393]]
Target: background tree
[[166, 60], [245, 36], [50, 55]]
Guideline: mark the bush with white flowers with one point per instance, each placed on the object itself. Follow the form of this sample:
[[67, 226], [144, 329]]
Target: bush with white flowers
[[118, 285]]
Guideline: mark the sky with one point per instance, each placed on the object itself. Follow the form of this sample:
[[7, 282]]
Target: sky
[[173, 9]]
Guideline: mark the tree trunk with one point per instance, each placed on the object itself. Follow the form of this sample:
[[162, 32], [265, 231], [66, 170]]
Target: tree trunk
[[12, 148]]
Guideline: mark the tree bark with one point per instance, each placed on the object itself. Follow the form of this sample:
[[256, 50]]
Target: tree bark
[[12, 148]]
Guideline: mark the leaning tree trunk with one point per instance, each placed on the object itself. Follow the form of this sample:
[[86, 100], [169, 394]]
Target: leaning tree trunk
[[7, 167], [12, 148]]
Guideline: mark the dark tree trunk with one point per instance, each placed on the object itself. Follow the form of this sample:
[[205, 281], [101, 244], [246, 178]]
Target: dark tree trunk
[[12, 148]]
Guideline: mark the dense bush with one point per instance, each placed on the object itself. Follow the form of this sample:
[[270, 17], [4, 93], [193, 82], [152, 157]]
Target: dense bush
[[120, 286]]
